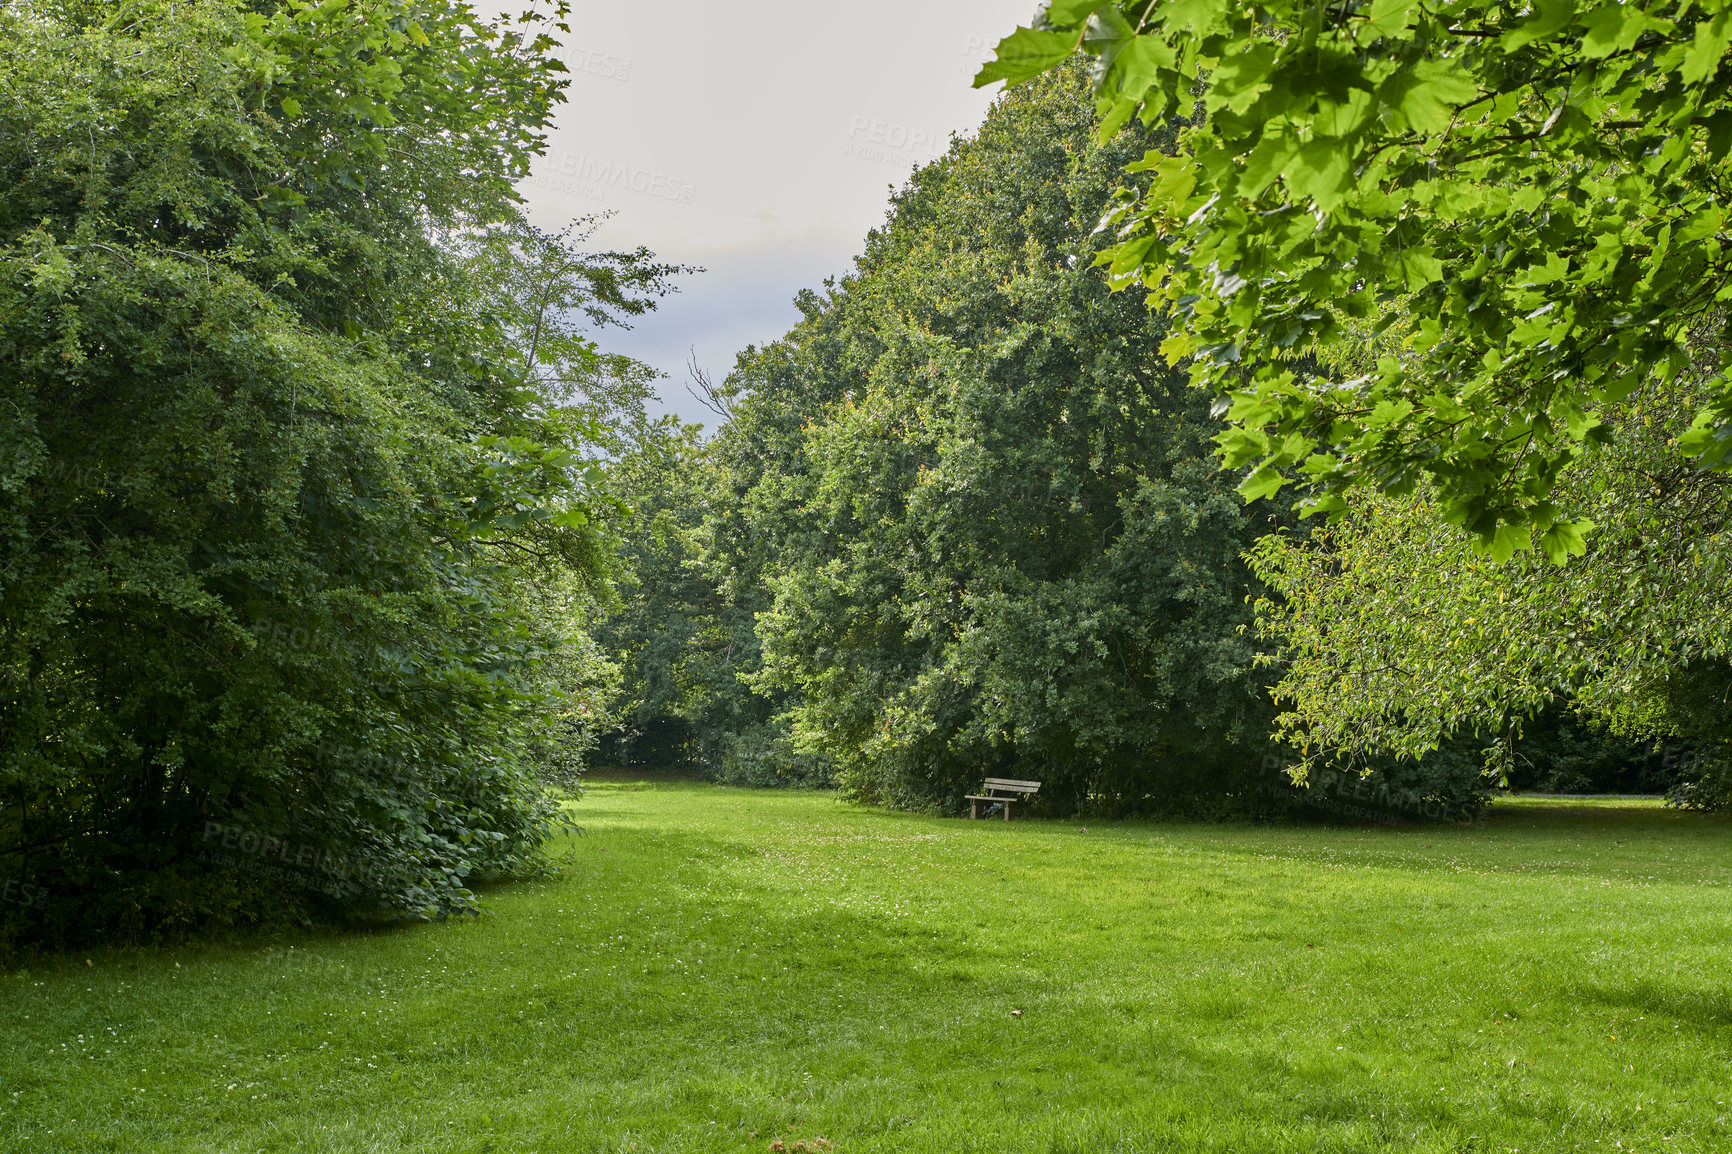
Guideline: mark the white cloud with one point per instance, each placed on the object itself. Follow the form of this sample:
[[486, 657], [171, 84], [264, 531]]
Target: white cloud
[[758, 139]]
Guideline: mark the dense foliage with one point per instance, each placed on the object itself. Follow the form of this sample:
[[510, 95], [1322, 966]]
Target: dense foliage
[[1396, 634], [274, 439], [1543, 185], [993, 538], [1560, 752], [684, 626], [305, 543], [1471, 256], [954, 526], [661, 628]]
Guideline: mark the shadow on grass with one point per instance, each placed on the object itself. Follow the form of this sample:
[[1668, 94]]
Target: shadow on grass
[[1708, 1011], [1609, 815], [647, 778]]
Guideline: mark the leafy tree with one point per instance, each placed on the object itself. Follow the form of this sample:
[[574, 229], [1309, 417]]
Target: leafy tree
[[662, 626], [1560, 752], [1541, 187], [1695, 702], [572, 686], [1394, 633], [682, 627], [771, 399], [274, 456], [547, 296], [996, 543]]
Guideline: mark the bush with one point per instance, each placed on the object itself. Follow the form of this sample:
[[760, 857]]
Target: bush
[[1697, 700], [764, 757], [268, 457]]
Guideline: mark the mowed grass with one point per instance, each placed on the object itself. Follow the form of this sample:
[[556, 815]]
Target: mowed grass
[[719, 969]]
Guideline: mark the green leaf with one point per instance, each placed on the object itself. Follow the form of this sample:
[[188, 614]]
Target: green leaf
[[1719, 130], [1708, 441], [1431, 92], [1390, 18], [1612, 27], [1566, 539], [291, 107], [1420, 268], [1265, 482], [1267, 160], [1025, 54], [1070, 12], [1342, 118], [1239, 80], [1550, 18], [1240, 447], [1138, 65], [1702, 59], [1116, 114], [1320, 172], [1199, 17], [1388, 413], [1107, 29], [1175, 177], [1445, 408], [1507, 541]]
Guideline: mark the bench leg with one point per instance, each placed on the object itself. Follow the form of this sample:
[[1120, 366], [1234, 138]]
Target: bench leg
[[1007, 809], [974, 809]]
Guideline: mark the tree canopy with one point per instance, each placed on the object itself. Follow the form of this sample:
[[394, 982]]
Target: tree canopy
[[995, 541], [278, 441], [1394, 634], [1526, 201], [961, 521]]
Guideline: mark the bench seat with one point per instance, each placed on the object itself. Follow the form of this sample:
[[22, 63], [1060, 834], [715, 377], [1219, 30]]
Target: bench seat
[[1005, 791]]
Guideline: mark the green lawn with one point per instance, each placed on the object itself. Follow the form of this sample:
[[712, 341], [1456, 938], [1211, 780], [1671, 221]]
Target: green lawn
[[718, 969]]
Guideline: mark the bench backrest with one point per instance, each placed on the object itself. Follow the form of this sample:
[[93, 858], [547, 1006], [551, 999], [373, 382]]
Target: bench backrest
[[1010, 785]]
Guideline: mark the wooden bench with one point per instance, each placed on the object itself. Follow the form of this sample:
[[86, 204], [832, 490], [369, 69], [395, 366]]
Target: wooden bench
[[1003, 790]]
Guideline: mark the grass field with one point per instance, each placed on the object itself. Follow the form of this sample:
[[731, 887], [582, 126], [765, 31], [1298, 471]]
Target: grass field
[[722, 969]]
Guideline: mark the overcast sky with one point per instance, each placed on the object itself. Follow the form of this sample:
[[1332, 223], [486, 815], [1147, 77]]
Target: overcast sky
[[757, 138]]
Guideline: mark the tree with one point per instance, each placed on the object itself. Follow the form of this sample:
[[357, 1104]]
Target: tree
[[1541, 187], [662, 628], [1394, 634], [275, 457], [683, 624], [547, 295], [996, 542]]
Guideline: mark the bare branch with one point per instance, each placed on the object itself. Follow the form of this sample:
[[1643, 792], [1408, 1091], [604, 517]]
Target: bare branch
[[717, 400]]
